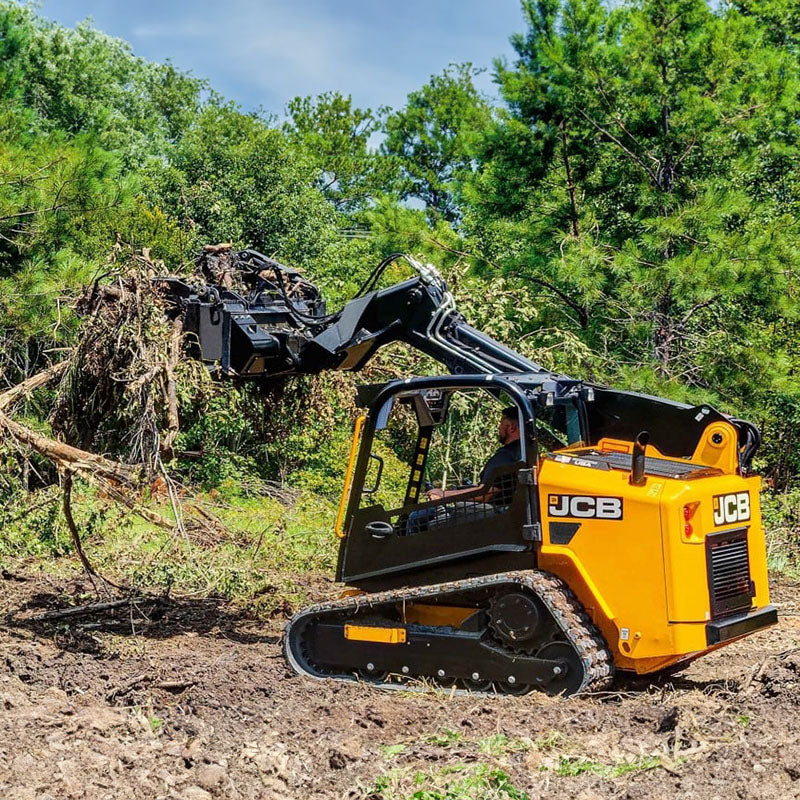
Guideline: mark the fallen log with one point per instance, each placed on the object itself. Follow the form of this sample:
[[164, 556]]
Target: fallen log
[[22, 390], [112, 477], [66, 455], [104, 473]]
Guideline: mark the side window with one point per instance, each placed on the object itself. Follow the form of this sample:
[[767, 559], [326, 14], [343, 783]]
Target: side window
[[557, 426], [465, 441], [393, 449]]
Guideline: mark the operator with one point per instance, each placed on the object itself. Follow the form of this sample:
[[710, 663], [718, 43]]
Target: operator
[[484, 499], [509, 453]]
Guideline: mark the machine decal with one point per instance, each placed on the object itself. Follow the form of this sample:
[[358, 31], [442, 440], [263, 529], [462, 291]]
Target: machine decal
[[730, 508], [579, 506], [578, 462], [562, 532]]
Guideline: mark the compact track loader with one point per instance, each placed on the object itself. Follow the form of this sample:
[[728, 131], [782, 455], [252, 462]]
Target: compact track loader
[[628, 535]]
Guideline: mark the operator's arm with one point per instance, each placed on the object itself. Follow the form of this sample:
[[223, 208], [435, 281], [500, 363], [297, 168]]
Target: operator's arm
[[484, 497], [489, 489]]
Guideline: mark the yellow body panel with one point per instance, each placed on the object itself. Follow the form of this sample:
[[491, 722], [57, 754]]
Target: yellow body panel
[[717, 447], [641, 579], [348, 477]]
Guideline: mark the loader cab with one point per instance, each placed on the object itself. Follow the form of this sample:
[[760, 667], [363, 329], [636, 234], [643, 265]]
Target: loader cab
[[441, 432]]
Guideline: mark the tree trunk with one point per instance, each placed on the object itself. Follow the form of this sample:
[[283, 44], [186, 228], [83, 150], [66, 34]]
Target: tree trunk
[[66, 455], [573, 203], [663, 331]]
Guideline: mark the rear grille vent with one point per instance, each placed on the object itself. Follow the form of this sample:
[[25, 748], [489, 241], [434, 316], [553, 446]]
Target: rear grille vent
[[729, 582]]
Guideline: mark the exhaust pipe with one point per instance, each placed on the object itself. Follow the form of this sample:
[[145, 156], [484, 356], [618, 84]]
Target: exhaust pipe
[[638, 459]]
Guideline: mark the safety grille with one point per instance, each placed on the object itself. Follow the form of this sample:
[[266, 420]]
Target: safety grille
[[468, 507], [661, 467], [729, 583]]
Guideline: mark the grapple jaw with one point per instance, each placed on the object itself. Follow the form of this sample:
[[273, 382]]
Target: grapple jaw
[[253, 317]]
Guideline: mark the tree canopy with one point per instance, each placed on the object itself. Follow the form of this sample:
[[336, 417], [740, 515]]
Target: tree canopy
[[635, 189]]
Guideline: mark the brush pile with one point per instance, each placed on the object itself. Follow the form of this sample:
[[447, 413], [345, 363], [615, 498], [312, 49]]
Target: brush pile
[[119, 392], [115, 413]]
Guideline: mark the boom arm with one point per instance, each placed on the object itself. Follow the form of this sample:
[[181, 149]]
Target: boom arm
[[276, 324], [259, 318]]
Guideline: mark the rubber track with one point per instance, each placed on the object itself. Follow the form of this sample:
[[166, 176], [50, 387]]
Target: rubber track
[[555, 594]]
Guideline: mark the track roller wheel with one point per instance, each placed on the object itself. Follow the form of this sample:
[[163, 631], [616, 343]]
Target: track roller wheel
[[570, 679], [372, 675], [514, 689], [477, 685]]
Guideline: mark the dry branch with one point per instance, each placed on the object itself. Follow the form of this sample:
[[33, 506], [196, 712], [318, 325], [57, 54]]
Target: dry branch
[[120, 691], [122, 498], [90, 608], [66, 455], [104, 473], [171, 389], [120, 392], [112, 477], [22, 390], [73, 529], [175, 686]]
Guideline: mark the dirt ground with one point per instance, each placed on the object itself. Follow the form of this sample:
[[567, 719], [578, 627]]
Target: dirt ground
[[188, 700]]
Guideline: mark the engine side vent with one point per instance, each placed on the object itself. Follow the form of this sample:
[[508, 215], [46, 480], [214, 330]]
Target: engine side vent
[[729, 584]]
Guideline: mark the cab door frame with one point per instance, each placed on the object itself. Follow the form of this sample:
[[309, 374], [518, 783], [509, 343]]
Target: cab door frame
[[368, 561]]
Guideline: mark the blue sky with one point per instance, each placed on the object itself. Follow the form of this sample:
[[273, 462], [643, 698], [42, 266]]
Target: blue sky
[[265, 52]]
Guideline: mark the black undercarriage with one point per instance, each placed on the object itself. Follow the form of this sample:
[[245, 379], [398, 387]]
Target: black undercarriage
[[521, 632]]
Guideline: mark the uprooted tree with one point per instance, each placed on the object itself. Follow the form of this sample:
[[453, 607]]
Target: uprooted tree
[[115, 414]]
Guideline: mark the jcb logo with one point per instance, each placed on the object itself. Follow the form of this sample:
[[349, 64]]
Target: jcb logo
[[581, 506], [731, 508]]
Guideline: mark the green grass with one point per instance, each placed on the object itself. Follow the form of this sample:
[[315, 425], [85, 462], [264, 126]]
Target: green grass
[[446, 737], [549, 741], [266, 559], [499, 743], [455, 782], [571, 766], [490, 779], [263, 564]]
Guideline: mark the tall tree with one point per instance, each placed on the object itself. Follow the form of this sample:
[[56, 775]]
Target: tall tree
[[336, 136], [81, 80], [433, 139], [232, 177], [780, 20], [633, 178]]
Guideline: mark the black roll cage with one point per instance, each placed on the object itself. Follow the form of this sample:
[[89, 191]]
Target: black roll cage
[[412, 553], [394, 388]]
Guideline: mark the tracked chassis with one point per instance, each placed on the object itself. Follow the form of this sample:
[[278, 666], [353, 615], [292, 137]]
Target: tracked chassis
[[519, 632]]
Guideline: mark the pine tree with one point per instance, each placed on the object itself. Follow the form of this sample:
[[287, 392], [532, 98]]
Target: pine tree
[[643, 176], [432, 140]]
